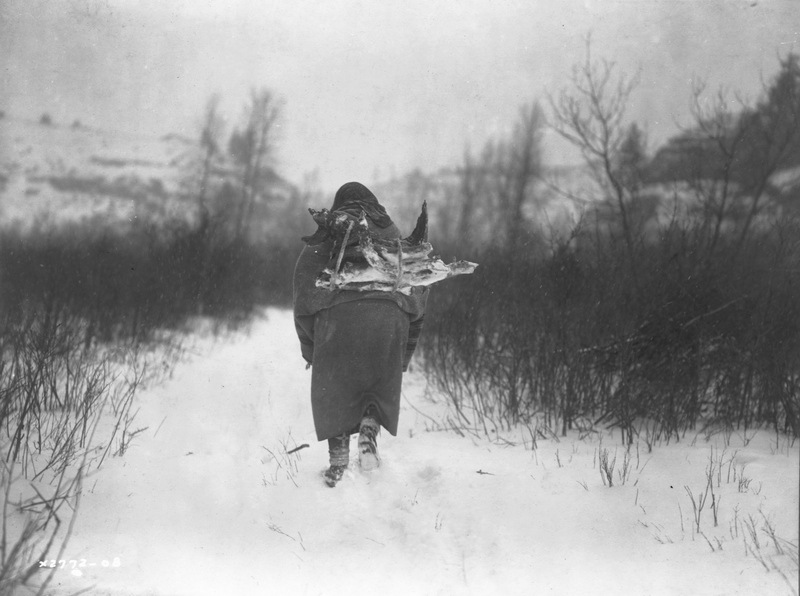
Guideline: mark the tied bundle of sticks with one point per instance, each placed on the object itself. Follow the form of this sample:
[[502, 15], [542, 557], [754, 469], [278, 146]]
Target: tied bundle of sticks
[[362, 262]]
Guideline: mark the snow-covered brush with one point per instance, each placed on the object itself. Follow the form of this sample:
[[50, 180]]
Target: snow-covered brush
[[362, 262]]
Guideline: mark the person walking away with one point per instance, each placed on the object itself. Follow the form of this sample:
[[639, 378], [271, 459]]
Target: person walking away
[[359, 343]]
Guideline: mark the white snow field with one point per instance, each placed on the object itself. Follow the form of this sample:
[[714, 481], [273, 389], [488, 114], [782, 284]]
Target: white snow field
[[208, 502]]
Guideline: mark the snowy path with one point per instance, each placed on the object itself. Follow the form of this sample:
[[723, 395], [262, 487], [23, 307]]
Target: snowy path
[[199, 505]]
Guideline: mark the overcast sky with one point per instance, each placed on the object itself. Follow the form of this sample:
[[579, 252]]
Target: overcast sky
[[372, 86]]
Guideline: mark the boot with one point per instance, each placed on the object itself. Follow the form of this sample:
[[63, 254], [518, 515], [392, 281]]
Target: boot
[[368, 457], [339, 452]]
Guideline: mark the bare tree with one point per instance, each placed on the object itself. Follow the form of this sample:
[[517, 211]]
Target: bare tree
[[518, 168], [252, 149], [590, 114], [494, 188], [210, 220], [773, 139], [472, 188], [713, 152], [212, 129], [728, 159]]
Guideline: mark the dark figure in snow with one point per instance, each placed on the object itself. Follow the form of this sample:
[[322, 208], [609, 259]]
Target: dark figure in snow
[[359, 343]]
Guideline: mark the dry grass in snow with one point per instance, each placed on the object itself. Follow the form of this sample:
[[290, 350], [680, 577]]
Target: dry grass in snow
[[208, 500]]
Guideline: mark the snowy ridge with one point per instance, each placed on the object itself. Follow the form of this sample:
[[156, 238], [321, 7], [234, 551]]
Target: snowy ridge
[[208, 501], [72, 173]]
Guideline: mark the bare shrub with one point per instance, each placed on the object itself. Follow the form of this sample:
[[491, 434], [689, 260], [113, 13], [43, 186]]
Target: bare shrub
[[637, 322]]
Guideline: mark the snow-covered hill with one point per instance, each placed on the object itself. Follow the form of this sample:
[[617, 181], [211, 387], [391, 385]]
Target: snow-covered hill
[[209, 501], [62, 173], [50, 173]]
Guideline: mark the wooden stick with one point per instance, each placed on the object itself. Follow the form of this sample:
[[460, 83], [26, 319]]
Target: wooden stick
[[341, 255], [399, 265]]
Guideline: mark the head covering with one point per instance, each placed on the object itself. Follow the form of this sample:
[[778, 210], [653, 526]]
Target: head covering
[[354, 197]]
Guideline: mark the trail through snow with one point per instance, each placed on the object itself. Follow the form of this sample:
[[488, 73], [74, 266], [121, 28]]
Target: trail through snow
[[207, 500]]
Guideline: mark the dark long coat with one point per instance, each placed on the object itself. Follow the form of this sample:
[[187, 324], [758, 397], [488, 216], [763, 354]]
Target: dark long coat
[[358, 342]]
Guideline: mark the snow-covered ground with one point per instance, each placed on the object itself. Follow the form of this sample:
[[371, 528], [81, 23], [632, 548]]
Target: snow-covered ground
[[207, 500]]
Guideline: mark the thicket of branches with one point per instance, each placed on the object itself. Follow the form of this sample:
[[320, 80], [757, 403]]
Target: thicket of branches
[[224, 255], [125, 285], [671, 302], [88, 313]]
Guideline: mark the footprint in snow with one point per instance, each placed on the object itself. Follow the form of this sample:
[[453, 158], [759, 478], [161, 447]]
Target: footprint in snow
[[430, 473]]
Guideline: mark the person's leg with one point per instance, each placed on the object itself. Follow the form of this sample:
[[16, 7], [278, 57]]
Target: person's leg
[[368, 457], [339, 453]]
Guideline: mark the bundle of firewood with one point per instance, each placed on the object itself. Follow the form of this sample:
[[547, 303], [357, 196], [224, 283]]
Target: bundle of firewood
[[362, 262]]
